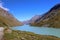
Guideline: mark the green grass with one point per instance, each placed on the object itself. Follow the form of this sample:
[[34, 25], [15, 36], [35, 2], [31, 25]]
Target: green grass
[[22, 35]]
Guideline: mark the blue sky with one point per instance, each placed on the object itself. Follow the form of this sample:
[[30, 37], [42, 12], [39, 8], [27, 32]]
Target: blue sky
[[26, 9]]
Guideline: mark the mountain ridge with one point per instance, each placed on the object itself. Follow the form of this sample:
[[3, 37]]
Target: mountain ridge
[[50, 18], [8, 19]]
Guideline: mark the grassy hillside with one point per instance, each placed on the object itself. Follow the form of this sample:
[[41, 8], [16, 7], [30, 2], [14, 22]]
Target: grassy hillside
[[22, 35]]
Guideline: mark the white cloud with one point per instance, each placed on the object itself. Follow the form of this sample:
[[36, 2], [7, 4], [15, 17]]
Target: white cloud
[[1, 6]]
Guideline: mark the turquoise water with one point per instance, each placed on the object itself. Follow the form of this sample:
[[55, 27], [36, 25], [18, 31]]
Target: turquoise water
[[39, 30]]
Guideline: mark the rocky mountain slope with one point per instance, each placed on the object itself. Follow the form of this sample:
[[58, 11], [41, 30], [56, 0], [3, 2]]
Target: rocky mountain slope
[[33, 19], [50, 19], [7, 19]]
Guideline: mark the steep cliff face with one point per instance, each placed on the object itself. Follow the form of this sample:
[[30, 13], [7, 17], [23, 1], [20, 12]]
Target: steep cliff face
[[7, 19], [51, 18]]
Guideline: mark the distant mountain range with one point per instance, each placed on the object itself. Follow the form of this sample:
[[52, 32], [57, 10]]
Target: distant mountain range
[[7, 19], [49, 19], [32, 20]]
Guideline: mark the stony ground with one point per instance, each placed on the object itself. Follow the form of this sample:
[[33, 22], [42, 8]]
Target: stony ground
[[1, 32], [22, 35], [8, 34]]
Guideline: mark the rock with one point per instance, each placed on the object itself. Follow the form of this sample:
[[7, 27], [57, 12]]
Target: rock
[[1, 32]]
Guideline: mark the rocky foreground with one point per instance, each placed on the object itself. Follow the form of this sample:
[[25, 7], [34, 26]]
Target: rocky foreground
[[22, 35], [8, 34]]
